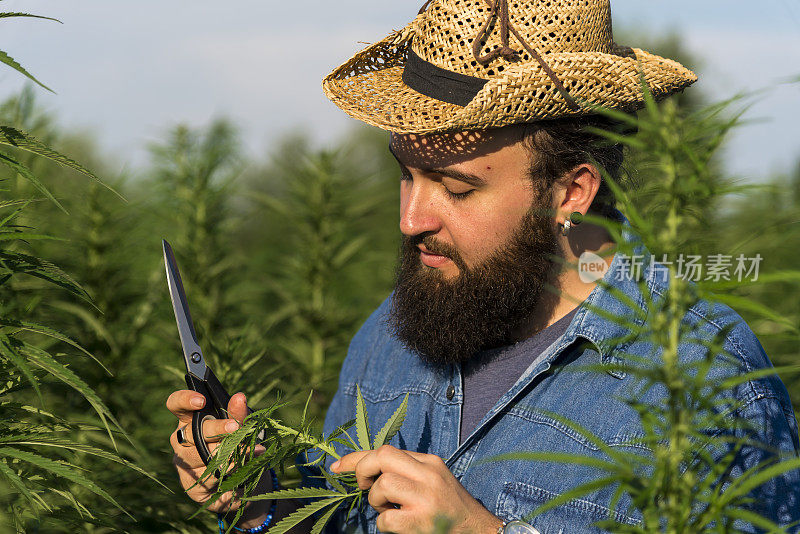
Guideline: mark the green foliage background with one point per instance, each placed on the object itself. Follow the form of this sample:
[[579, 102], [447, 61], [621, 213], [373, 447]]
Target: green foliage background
[[282, 257], [282, 260]]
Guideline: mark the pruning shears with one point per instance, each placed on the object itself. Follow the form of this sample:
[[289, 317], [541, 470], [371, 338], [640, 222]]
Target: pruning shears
[[199, 376]]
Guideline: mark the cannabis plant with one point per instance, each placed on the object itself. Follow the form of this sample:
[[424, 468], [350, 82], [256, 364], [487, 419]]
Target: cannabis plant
[[322, 211], [680, 475], [35, 444], [284, 443], [39, 457]]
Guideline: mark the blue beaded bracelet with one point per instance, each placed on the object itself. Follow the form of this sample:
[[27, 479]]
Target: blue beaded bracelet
[[263, 526]]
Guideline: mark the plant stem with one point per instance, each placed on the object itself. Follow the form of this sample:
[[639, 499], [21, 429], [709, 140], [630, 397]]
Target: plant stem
[[305, 438]]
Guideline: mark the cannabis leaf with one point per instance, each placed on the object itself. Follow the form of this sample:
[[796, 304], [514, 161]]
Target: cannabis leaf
[[393, 425], [282, 443], [362, 424]]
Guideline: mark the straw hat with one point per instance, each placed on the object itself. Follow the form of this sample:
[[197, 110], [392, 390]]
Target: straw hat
[[476, 64]]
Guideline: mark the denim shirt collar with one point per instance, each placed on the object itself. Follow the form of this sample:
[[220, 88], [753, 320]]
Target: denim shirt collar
[[591, 321], [591, 324]]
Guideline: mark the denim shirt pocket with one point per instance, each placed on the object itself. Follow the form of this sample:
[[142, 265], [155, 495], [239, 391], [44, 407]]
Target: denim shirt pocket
[[518, 500]]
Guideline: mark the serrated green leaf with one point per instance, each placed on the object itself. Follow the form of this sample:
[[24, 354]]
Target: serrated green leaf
[[26, 173], [45, 270], [305, 408], [12, 203], [331, 479], [757, 476], [296, 517], [8, 60], [757, 520], [18, 139], [8, 14], [750, 305], [46, 331], [60, 469], [66, 375], [323, 520], [22, 236], [90, 320], [355, 503], [254, 466], [341, 428], [10, 352], [231, 442], [17, 482], [220, 460], [82, 511], [362, 424], [295, 493], [393, 425], [49, 441]]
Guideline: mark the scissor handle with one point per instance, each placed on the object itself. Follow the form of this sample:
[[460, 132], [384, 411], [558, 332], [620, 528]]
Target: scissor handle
[[216, 407]]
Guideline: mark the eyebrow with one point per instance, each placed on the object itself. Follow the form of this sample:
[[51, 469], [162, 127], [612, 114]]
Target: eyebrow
[[471, 179]]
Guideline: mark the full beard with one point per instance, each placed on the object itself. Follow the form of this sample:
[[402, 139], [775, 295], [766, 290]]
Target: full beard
[[448, 321]]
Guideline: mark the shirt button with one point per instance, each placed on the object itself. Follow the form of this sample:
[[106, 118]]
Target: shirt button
[[451, 392]]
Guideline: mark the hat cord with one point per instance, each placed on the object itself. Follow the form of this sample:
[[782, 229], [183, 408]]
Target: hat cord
[[424, 7], [505, 51], [509, 53]]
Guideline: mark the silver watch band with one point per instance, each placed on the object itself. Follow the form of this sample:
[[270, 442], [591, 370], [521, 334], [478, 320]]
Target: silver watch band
[[516, 527]]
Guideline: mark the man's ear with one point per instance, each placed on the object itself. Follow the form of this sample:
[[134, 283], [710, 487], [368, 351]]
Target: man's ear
[[576, 191]]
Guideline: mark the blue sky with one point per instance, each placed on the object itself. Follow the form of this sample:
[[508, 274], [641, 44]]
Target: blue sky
[[128, 71]]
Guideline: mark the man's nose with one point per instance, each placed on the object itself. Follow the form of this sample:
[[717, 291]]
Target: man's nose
[[418, 211]]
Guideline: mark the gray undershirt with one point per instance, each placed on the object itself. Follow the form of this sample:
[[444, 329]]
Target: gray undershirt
[[491, 373]]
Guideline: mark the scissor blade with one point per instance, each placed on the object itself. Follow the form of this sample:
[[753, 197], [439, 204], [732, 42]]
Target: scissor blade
[[195, 363]]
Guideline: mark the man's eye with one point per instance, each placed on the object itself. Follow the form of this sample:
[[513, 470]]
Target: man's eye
[[459, 196], [455, 189]]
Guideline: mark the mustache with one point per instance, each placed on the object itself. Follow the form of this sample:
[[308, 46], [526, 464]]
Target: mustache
[[411, 244]]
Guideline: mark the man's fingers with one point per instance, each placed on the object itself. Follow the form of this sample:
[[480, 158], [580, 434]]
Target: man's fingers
[[430, 459], [213, 431], [216, 429], [348, 462], [386, 459], [187, 460], [185, 457], [391, 490], [184, 403], [237, 407], [184, 434], [392, 520]]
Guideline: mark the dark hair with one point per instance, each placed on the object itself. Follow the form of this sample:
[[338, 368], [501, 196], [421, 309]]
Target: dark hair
[[558, 146]]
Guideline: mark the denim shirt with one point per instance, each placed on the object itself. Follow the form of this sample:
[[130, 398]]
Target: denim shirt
[[386, 371]]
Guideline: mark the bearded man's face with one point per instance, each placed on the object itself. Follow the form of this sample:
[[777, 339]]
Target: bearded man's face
[[478, 243]]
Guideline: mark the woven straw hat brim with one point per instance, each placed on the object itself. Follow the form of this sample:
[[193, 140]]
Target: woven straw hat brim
[[369, 87]]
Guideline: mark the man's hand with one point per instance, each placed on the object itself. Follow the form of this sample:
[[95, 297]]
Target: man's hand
[[187, 460], [410, 490]]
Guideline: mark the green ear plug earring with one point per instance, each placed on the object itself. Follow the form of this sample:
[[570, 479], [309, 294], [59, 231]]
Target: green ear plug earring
[[574, 220]]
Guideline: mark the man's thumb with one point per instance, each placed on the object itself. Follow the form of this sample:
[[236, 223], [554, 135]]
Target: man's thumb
[[237, 407]]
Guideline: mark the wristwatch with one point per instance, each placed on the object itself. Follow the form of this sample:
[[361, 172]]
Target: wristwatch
[[516, 527]]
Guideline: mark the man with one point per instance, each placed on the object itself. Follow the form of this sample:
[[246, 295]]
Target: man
[[484, 99]]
